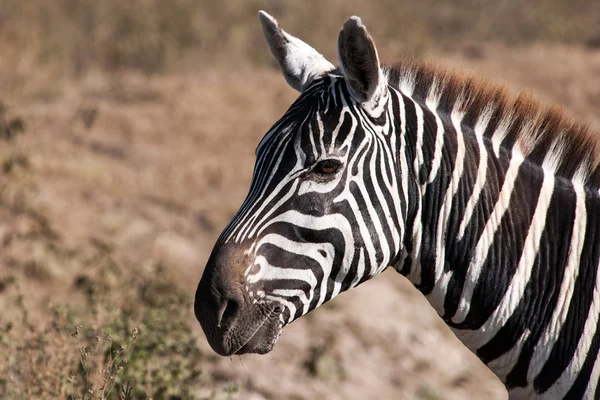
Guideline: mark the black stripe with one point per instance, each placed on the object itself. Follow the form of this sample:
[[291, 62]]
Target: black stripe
[[432, 204], [578, 389], [569, 336], [460, 253], [542, 291], [507, 247]]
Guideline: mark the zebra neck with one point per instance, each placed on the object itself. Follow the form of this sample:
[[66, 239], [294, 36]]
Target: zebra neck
[[441, 154], [505, 251]]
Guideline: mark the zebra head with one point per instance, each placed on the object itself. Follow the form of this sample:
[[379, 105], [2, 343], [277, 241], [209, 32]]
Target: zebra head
[[325, 208]]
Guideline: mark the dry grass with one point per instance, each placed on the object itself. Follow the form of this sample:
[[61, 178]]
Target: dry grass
[[72, 36], [97, 231], [109, 356], [114, 183]]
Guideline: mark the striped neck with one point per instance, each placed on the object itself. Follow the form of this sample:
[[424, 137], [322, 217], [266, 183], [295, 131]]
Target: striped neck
[[495, 239]]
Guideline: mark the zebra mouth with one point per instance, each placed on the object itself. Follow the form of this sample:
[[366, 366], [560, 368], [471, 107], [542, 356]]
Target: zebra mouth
[[266, 335], [237, 325]]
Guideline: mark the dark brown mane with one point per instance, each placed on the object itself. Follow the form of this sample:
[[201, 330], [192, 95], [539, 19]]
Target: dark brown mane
[[540, 131]]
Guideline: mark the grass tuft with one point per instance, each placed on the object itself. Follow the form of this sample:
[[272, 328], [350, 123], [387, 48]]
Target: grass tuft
[[114, 352]]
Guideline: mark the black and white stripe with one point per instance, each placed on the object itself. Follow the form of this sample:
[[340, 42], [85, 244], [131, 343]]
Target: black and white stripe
[[477, 200]]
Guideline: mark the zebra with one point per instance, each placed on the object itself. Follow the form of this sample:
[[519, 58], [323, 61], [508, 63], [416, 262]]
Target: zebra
[[489, 204]]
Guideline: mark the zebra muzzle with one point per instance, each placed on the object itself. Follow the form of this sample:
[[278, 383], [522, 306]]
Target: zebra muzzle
[[232, 326], [234, 322]]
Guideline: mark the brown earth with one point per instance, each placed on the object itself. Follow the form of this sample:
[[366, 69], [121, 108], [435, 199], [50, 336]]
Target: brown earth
[[148, 169]]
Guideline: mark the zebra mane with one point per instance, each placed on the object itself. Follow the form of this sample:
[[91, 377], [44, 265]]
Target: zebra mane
[[544, 134]]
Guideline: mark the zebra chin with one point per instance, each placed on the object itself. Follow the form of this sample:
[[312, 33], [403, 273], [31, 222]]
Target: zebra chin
[[256, 333], [263, 340]]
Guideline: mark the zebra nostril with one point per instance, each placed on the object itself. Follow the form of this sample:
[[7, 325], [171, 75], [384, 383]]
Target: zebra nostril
[[227, 312]]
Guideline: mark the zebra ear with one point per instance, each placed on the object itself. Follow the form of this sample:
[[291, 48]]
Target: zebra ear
[[359, 62], [300, 63]]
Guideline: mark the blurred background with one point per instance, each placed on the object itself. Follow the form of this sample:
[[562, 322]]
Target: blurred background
[[127, 136]]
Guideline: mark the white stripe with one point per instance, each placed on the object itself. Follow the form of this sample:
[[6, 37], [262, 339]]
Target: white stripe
[[419, 145], [337, 221], [506, 362], [583, 348], [487, 237], [481, 174], [595, 376], [403, 161], [516, 288], [438, 294], [336, 131], [500, 133], [415, 271], [432, 102], [359, 214], [256, 225], [360, 270], [378, 218], [551, 333], [244, 219], [407, 82], [285, 303], [251, 224], [457, 117], [299, 294], [313, 146], [321, 133], [388, 166], [564, 382]]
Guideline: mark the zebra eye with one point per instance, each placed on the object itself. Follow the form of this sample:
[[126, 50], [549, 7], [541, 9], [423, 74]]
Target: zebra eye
[[327, 167]]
